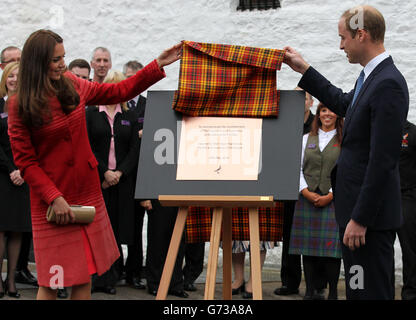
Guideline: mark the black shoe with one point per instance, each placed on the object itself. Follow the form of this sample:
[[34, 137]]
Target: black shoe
[[12, 294], [62, 293], [189, 287], [241, 289], [285, 291], [247, 295], [122, 276], [106, 289], [318, 295], [308, 296], [178, 293], [135, 282], [333, 297], [24, 276], [152, 292]]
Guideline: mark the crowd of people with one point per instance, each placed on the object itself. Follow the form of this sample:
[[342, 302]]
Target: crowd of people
[[69, 137]]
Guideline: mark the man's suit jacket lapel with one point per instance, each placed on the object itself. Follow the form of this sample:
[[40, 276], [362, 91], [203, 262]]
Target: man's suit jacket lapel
[[351, 109]]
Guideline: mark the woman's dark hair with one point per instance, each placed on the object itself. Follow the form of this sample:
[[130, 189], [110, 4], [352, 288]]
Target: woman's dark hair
[[35, 88], [316, 123]]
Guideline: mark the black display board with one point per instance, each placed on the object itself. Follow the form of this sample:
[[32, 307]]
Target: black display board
[[281, 153]]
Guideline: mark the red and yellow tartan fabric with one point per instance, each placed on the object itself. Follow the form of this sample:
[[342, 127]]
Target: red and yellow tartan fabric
[[199, 221], [228, 80]]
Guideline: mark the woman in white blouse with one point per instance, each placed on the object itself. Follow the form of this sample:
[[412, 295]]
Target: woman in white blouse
[[314, 231]]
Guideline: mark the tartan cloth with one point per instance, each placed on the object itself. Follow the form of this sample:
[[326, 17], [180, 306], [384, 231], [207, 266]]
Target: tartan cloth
[[228, 80], [198, 224], [314, 230]]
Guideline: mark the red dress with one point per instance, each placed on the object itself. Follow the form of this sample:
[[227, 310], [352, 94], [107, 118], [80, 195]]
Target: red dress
[[56, 160]]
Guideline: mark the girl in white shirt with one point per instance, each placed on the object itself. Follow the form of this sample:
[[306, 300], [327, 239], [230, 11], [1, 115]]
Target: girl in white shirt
[[314, 231]]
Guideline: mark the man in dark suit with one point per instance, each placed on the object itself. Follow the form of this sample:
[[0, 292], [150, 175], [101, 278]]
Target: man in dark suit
[[366, 178], [407, 233], [134, 261]]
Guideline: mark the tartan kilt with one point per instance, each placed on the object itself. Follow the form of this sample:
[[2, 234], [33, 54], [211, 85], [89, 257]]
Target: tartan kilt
[[314, 230], [199, 221]]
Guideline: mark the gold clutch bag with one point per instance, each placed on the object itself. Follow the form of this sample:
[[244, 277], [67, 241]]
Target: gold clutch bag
[[83, 214]]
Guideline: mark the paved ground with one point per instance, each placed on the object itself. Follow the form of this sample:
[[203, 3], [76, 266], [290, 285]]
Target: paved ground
[[270, 278]]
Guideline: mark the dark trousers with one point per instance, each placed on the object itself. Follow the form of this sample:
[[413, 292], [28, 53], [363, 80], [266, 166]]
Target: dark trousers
[[318, 268], [407, 237], [134, 262], [371, 265], [160, 224], [22, 262], [194, 261], [290, 271]]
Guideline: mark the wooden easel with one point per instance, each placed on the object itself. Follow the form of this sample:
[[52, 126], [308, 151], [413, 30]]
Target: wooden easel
[[222, 216]]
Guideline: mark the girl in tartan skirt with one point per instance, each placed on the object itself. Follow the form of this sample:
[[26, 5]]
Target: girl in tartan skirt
[[314, 232]]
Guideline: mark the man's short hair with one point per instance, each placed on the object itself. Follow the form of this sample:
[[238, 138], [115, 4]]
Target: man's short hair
[[374, 22], [103, 49], [80, 63], [133, 65], [7, 49]]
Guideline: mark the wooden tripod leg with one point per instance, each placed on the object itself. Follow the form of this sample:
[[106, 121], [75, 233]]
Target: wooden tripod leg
[[255, 254], [227, 254], [175, 241], [213, 254]]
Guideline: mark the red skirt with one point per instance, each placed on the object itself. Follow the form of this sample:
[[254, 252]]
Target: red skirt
[[92, 267]]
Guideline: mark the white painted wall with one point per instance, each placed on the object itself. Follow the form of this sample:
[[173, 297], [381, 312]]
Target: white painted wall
[[142, 29]]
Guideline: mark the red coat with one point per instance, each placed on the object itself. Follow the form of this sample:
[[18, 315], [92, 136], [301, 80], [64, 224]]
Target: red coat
[[56, 159]]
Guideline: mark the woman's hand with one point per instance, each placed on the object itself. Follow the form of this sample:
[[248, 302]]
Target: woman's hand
[[63, 212], [323, 201], [16, 178], [147, 204], [170, 55], [310, 196]]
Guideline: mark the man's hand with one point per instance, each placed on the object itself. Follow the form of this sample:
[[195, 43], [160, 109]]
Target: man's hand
[[119, 174], [170, 55], [111, 177], [294, 60], [147, 204], [354, 236], [63, 212], [16, 178]]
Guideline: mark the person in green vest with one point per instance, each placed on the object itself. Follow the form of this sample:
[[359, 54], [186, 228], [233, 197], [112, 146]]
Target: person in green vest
[[314, 233]]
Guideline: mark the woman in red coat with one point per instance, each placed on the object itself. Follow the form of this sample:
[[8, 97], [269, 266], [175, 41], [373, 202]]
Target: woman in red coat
[[50, 145]]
